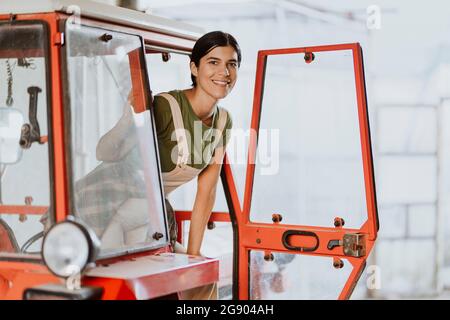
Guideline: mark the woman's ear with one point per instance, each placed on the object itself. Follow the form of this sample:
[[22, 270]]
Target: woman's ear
[[194, 69]]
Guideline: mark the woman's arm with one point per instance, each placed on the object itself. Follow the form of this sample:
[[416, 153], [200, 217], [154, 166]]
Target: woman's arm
[[204, 201], [118, 141]]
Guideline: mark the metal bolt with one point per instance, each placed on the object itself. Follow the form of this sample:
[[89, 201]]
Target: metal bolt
[[165, 56], [211, 225], [276, 218], [339, 222], [309, 57], [157, 236], [106, 37], [258, 241], [338, 263], [28, 202], [268, 257]]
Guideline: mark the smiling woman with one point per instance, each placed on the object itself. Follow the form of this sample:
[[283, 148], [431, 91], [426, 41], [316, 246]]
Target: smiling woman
[[193, 132]]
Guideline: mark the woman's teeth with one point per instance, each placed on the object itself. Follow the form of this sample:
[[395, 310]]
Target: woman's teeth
[[220, 83]]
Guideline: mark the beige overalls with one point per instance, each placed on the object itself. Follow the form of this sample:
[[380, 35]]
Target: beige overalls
[[181, 174]]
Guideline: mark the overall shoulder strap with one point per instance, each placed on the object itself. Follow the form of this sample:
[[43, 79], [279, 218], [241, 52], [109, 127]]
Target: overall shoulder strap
[[221, 122], [182, 144]]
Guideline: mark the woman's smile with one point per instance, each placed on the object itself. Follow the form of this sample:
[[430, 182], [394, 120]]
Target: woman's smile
[[222, 83]]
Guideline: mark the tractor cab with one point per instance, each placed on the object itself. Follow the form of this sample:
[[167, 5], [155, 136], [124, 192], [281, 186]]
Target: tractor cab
[[82, 211], [68, 81]]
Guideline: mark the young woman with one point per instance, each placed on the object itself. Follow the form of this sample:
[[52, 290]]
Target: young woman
[[192, 135], [193, 130]]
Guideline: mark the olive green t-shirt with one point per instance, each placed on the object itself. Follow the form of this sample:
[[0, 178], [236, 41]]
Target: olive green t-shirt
[[199, 135]]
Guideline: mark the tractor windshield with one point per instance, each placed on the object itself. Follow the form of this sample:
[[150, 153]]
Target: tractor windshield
[[115, 177]]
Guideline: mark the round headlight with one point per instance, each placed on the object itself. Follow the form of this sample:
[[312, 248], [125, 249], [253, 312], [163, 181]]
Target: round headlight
[[68, 247]]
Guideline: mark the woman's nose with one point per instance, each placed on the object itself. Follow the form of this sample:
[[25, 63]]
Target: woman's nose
[[226, 71]]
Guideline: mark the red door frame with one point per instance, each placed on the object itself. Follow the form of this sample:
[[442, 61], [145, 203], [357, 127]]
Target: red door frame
[[10, 270], [57, 121], [268, 237], [247, 234]]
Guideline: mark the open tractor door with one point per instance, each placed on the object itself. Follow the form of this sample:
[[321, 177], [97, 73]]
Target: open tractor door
[[309, 219]]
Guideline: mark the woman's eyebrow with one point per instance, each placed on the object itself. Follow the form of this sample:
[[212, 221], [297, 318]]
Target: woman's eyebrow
[[215, 58]]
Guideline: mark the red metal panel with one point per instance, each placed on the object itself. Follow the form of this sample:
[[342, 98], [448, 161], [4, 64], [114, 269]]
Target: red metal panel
[[254, 129], [159, 275], [366, 146], [60, 169], [23, 209], [334, 47], [139, 90], [61, 207], [28, 53], [151, 38], [215, 216], [20, 275]]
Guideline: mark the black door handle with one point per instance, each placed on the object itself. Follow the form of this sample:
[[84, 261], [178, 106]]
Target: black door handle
[[290, 233]]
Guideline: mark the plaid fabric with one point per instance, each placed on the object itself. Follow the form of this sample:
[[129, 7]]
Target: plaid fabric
[[173, 228], [99, 194]]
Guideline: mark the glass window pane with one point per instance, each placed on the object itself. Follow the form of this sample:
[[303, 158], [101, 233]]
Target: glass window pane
[[25, 175], [218, 243], [116, 181], [295, 277], [309, 166], [168, 75]]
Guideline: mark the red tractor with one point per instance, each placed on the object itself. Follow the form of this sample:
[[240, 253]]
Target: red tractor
[[67, 69]]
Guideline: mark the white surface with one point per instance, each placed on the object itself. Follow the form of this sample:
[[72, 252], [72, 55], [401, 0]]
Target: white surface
[[422, 221], [392, 221], [146, 266], [406, 266], [104, 12], [406, 180], [407, 129]]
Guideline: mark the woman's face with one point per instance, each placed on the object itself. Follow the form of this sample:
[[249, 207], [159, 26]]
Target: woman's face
[[217, 72]]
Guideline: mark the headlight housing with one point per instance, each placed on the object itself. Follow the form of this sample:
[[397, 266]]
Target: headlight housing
[[68, 247]]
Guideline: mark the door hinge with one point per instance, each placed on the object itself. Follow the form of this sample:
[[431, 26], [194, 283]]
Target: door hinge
[[354, 245], [58, 39]]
